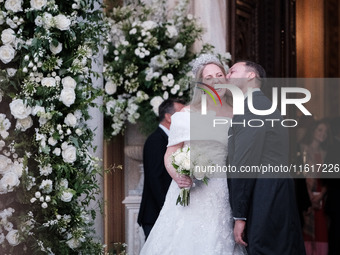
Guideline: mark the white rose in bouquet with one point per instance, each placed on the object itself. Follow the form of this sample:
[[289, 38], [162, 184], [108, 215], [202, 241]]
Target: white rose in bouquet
[[62, 22], [38, 4], [13, 237], [186, 163], [8, 36], [69, 153], [199, 173], [67, 96], [70, 120], [13, 5], [69, 82], [56, 49], [19, 109], [48, 82], [24, 124], [66, 196], [179, 158], [6, 53]]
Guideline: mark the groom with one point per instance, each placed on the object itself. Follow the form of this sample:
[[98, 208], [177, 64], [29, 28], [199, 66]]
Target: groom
[[264, 209]]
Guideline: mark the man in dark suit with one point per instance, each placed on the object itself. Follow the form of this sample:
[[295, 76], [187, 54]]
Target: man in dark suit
[[264, 209], [156, 177]]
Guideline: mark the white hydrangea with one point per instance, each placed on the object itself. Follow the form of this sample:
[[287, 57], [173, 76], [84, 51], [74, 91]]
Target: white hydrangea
[[45, 170], [46, 186]]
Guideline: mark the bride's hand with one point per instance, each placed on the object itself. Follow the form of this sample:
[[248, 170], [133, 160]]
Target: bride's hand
[[183, 181]]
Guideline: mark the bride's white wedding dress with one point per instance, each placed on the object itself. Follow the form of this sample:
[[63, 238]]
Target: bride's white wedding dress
[[205, 226]]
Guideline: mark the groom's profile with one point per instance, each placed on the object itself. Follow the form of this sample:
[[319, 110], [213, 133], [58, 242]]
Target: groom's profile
[[264, 209]]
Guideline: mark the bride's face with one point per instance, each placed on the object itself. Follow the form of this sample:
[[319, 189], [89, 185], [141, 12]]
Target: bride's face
[[211, 75]]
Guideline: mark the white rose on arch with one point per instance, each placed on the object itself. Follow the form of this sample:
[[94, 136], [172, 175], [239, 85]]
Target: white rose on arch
[[69, 82], [19, 109], [13, 237], [8, 36], [171, 31], [13, 5], [24, 124], [110, 88], [69, 153], [7, 53], [70, 120], [67, 96], [38, 4], [155, 103], [62, 22], [56, 49], [9, 181], [66, 195]]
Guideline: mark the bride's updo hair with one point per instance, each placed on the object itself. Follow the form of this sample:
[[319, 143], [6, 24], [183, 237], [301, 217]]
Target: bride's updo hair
[[197, 68]]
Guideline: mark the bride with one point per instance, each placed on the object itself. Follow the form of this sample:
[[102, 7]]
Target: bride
[[205, 226]]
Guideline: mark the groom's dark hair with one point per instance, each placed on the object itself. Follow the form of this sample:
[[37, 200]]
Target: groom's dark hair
[[256, 68], [167, 106]]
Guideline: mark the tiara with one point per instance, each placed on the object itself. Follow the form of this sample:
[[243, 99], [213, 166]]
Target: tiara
[[203, 60]]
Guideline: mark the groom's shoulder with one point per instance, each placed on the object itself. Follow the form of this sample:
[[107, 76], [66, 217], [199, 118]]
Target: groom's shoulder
[[261, 101]]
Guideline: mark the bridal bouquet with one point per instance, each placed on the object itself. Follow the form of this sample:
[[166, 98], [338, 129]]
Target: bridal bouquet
[[189, 165]]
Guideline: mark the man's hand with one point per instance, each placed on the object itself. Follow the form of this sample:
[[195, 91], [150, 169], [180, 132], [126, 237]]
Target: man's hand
[[239, 232], [183, 181]]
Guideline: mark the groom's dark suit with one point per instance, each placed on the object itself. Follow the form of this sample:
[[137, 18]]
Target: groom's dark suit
[[156, 179], [272, 222]]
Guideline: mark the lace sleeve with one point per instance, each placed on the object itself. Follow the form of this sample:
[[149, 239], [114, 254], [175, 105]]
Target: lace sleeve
[[179, 128]]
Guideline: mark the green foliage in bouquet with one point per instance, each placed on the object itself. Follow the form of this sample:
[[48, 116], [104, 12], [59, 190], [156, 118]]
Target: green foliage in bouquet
[[146, 60]]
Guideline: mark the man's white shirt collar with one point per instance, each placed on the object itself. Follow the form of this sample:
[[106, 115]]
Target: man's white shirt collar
[[164, 129]]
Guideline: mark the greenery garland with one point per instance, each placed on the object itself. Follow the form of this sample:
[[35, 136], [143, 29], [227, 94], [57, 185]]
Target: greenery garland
[[47, 170]]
